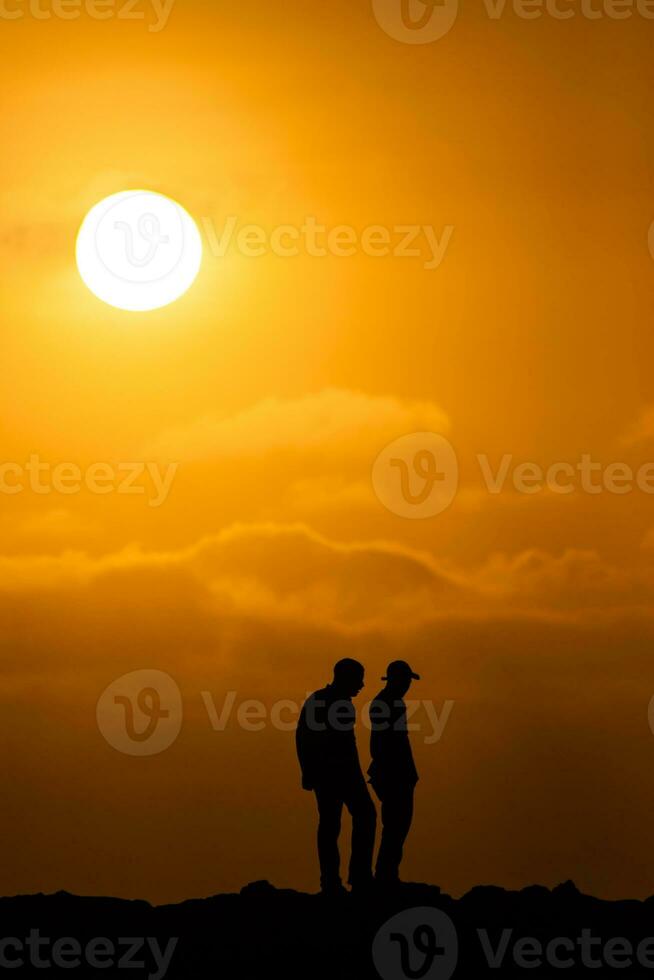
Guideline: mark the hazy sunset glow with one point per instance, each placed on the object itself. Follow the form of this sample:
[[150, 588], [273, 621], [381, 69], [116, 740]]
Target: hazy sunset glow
[[447, 238]]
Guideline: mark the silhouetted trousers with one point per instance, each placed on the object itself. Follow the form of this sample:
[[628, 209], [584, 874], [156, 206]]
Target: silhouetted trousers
[[331, 797], [397, 815]]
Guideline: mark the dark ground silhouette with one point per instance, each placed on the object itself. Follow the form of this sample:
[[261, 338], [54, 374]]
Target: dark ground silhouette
[[264, 932]]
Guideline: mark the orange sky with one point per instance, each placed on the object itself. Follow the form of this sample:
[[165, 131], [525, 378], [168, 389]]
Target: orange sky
[[275, 383]]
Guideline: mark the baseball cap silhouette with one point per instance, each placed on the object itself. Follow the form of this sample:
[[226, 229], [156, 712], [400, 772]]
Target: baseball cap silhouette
[[399, 669]]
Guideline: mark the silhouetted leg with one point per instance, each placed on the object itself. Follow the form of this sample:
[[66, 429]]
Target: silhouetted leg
[[364, 825], [330, 808], [397, 815]]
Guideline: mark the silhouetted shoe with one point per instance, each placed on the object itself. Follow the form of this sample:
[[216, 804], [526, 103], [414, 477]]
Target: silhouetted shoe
[[336, 890], [387, 884], [363, 887]]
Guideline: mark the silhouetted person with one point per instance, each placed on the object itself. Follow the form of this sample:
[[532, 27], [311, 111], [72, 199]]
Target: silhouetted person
[[327, 751], [392, 772]]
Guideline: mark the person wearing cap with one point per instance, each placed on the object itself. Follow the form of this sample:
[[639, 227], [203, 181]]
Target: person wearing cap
[[393, 774], [329, 761]]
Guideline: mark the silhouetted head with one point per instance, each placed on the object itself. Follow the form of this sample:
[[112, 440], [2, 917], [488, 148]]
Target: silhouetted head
[[348, 677], [399, 676]]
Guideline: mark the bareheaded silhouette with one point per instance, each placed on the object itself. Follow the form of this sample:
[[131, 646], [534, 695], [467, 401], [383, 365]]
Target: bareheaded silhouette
[[329, 760], [392, 772]]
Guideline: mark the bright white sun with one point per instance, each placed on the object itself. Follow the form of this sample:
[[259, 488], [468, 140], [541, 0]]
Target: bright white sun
[[138, 250]]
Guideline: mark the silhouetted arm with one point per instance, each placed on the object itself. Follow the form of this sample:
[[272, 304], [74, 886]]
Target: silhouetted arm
[[307, 748]]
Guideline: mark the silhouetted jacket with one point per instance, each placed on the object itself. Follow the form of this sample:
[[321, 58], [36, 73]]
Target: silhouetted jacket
[[325, 740], [390, 748]]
